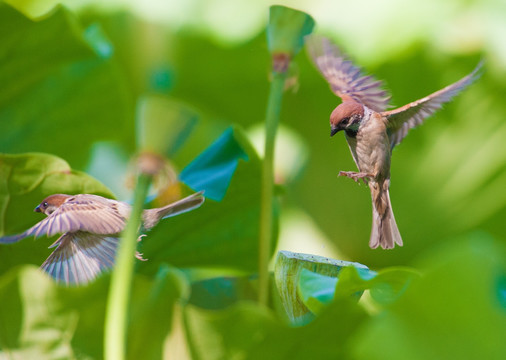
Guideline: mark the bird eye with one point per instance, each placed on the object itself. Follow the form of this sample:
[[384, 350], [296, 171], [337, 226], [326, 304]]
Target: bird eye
[[44, 204], [345, 121]]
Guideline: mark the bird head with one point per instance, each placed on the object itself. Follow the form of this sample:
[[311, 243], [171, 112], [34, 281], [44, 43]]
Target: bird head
[[51, 203], [346, 116]]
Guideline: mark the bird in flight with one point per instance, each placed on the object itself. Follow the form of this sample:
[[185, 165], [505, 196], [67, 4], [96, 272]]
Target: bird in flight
[[370, 130], [90, 226]]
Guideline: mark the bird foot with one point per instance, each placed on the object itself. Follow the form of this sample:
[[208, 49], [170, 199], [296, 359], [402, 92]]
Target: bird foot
[[138, 255], [356, 176]]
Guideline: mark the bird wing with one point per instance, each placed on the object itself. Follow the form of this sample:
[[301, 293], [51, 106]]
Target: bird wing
[[345, 79], [352, 144], [80, 257], [83, 212], [401, 120]]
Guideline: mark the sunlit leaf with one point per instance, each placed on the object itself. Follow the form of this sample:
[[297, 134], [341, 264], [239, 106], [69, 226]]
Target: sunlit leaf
[[33, 8], [41, 320], [60, 89], [33, 322]]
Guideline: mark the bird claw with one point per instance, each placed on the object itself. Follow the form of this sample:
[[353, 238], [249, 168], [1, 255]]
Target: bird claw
[[356, 176], [138, 255]]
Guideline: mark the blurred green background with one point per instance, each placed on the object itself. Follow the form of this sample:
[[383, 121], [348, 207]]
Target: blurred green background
[[79, 79], [75, 97]]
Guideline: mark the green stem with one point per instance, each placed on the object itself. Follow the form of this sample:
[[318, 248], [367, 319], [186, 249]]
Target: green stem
[[266, 199], [121, 280]]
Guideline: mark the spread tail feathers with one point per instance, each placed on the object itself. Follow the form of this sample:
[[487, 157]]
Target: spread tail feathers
[[384, 229], [153, 216]]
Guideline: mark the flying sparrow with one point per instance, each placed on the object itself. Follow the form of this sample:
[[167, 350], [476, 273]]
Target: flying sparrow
[[372, 132], [90, 226]]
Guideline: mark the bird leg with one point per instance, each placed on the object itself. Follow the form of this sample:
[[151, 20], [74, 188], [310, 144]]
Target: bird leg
[[356, 175]]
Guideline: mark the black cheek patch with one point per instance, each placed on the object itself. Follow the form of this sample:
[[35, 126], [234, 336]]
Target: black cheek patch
[[351, 133]]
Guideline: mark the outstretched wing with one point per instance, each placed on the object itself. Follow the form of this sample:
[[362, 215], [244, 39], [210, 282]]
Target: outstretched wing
[[345, 79], [80, 257], [83, 212], [401, 120]]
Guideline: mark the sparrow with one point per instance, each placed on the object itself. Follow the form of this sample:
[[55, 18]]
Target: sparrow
[[370, 130], [90, 226]]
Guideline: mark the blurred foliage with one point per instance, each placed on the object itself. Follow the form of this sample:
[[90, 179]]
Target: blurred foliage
[[317, 290], [40, 320], [436, 317], [163, 125], [70, 81], [212, 170], [286, 30], [227, 231], [462, 290], [250, 332], [53, 92], [303, 296], [442, 174]]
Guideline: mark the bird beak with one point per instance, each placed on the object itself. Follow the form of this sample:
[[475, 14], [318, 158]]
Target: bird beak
[[333, 130], [37, 209]]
